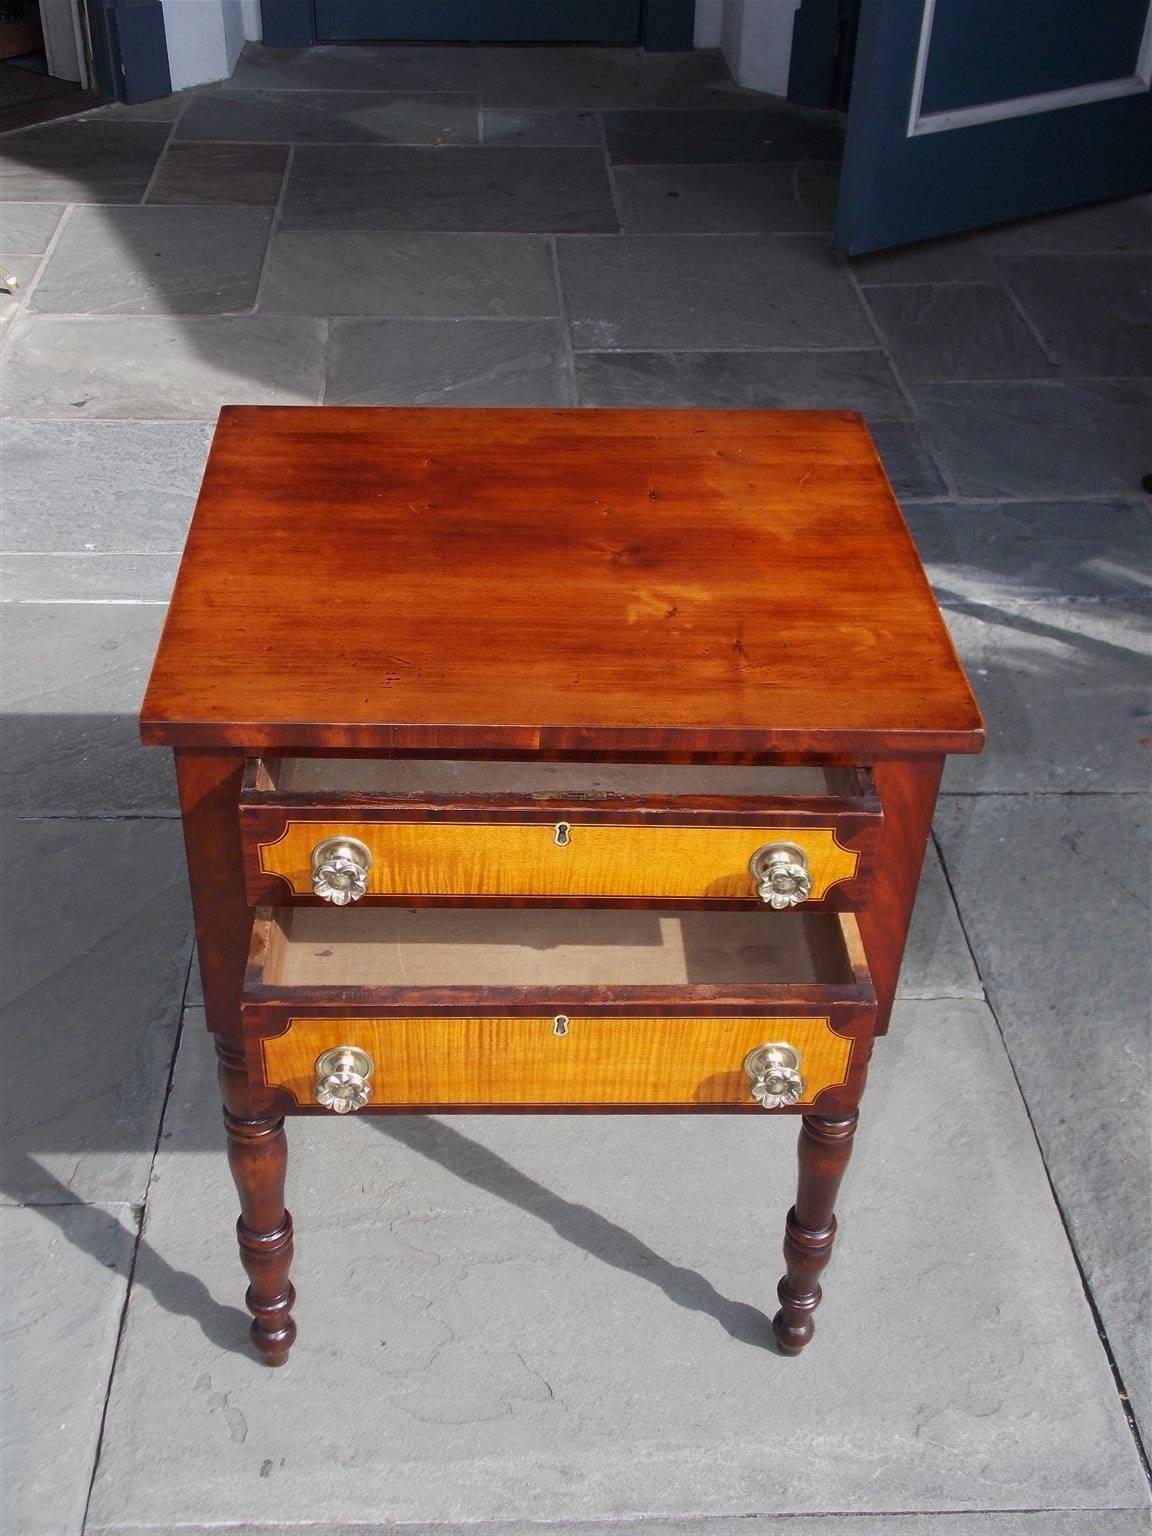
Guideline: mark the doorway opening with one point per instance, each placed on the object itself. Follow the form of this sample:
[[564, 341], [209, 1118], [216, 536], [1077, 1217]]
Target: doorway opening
[[45, 62]]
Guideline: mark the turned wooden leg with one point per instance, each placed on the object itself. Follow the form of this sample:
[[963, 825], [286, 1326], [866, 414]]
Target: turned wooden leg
[[257, 1149], [810, 1231], [258, 1158]]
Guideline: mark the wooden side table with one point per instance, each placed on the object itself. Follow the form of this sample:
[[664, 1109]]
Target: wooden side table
[[672, 685]]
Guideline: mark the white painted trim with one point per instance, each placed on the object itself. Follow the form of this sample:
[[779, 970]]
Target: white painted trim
[[63, 40], [708, 24], [756, 40], [927, 17], [253, 22], [1019, 106], [204, 39], [233, 21]]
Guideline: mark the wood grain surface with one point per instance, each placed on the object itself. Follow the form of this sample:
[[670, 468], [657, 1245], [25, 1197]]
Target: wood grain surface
[[317, 950], [909, 793], [209, 787], [474, 1000], [810, 1228], [353, 780], [461, 858], [678, 582], [599, 1060]]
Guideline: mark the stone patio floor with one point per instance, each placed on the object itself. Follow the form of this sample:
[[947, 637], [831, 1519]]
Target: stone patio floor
[[516, 1324]]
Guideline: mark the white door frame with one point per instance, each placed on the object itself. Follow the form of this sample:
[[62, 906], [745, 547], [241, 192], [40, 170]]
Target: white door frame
[[65, 40]]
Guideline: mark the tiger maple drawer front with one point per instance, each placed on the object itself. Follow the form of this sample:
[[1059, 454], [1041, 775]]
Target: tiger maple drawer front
[[559, 1059], [390, 1011], [404, 832]]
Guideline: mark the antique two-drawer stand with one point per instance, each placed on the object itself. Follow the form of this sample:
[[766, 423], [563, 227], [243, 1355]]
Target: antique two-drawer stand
[[444, 685]]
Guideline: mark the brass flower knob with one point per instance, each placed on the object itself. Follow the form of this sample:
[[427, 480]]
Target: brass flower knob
[[340, 868], [780, 871], [343, 1079], [774, 1072]]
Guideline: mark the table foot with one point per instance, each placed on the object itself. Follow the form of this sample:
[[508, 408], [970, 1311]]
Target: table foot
[[810, 1230]]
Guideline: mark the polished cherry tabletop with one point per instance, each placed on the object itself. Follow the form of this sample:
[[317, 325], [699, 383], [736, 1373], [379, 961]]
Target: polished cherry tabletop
[[553, 581]]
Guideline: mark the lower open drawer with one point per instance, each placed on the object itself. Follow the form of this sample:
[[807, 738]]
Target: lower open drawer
[[476, 1009]]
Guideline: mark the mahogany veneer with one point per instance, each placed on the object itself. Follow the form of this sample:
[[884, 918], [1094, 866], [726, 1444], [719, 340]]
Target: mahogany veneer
[[495, 649]]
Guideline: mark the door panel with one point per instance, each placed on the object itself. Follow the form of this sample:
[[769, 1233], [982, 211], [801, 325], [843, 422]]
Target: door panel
[[478, 21], [971, 112], [986, 51]]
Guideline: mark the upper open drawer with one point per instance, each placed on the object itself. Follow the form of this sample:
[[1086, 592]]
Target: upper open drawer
[[419, 833]]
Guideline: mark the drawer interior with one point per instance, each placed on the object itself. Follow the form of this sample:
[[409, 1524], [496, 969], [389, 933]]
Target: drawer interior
[[407, 776], [311, 948]]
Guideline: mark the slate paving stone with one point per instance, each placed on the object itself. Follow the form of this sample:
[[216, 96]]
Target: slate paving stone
[[249, 174], [1093, 311], [725, 199], [70, 691], [847, 381], [1036, 1522], [1042, 438], [80, 577], [23, 269], [159, 367], [1124, 225], [447, 362], [194, 993], [1064, 691], [565, 79], [356, 69], [103, 967], [937, 960], [551, 130], [954, 259], [1056, 892], [100, 485], [355, 272], [637, 293], [65, 1272], [507, 1326], [141, 261], [480, 188], [161, 109], [26, 228], [908, 463], [330, 117], [782, 133], [816, 188], [80, 162], [1029, 552], [956, 331]]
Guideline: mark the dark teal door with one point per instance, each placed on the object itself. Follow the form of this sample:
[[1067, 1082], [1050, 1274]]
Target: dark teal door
[[478, 21], [970, 112]]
